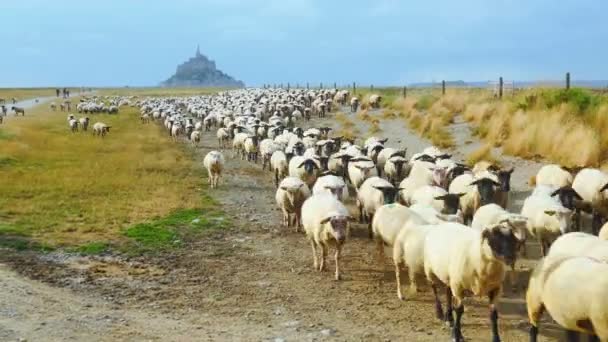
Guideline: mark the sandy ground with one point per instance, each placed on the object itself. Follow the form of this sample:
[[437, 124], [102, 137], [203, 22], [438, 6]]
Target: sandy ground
[[253, 282]]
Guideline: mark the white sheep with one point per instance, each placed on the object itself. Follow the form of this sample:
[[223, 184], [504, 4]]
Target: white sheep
[[279, 166], [84, 123], [422, 173], [101, 129], [603, 234], [477, 192], [333, 185], [466, 259], [394, 169], [214, 163], [574, 291], [437, 198], [195, 137], [290, 195], [304, 168], [591, 185], [554, 176], [547, 218], [325, 220], [73, 123], [223, 138], [373, 193], [360, 169]]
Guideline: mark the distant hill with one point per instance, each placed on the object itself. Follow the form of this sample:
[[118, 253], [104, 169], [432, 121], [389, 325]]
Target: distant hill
[[199, 71]]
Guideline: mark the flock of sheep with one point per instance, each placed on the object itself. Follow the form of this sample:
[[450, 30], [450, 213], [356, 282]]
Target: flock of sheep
[[94, 105], [442, 219]]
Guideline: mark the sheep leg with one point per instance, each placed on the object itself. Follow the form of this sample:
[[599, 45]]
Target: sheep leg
[[380, 249], [493, 298], [438, 307], [298, 218], [276, 178], [596, 223], [449, 316], [593, 338], [323, 257], [456, 331], [370, 233], [361, 218], [398, 277], [338, 252], [314, 254], [572, 336]]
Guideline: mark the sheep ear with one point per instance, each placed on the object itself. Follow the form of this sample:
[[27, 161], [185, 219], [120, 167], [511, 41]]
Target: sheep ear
[[461, 194], [475, 182], [605, 187], [441, 198], [510, 171], [550, 212], [284, 188], [496, 183], [325, 220]]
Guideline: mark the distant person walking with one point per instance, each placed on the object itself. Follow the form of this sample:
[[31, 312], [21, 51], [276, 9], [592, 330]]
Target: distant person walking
[[57, 91]]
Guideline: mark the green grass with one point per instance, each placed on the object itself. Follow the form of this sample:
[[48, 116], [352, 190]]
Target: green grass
[[79, 191]]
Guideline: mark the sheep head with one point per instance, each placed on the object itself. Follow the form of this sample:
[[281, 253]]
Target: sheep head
[[503, 242]]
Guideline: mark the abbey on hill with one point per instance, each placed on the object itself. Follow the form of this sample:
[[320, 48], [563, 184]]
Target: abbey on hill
[[200, 71]]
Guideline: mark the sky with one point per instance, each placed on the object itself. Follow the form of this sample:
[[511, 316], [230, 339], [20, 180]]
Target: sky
[[379, 42]]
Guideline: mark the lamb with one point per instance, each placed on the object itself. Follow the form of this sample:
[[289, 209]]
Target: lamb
[[333, 185], [195, 137], [325, 220], [477, 192], [84, 122], [290, 195], [279, 166], [73, 125], [214, 163], [547, 218], [101, 129], [374, 193], [467, 259], [554, 176], [591, 185], [304, 168], [578, 306]]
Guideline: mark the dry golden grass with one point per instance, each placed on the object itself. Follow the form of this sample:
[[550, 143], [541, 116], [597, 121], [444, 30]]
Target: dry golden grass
[[62, 188], [484, 153], [347, 127]]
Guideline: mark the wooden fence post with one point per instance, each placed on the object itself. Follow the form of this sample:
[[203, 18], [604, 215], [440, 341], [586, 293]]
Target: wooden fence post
[[500, 87], [443, 87], [371, 87], [354, 88], [404, 91], [288, 86], [321, 85], [567, 81], [307, 87]]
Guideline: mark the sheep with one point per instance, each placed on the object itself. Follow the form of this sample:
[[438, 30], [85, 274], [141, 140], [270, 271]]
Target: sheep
[[214, 163], [574, 291], [238, 145], [374, 193], [388, 153], [374, 100], [579, 244], [18, 110], [388, 221], [101, 129], [53, 106], [176, 131], [591, 185], [325, 221], [547, 218], [223, 138], [195, 137], [354, 104], [73, 125], [422, 173], [145, 118], [84, 122], [290, 195], [279, 166], [304, 168], [267, 148], [360, 169], [468, 259], [554, 176], [437, 198], [394, 170], [250, 146], [331, 184], [603, 234], [477, 192]]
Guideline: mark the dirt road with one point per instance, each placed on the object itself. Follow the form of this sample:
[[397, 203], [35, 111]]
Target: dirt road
[[253, 282]]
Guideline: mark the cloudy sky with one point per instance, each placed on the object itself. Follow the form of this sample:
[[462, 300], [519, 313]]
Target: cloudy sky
[[383, 42]]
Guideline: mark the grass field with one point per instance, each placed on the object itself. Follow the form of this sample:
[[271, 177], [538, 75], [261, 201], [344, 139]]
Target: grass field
[[30, 93], [134, 190]]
